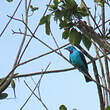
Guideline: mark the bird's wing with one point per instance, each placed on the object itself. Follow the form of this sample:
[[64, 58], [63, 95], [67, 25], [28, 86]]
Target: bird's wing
[[83, 59]]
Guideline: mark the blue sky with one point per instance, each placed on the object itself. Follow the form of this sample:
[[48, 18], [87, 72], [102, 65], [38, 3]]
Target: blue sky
[[68, 88]]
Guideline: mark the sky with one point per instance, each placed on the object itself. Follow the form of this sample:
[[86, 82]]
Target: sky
[[68, 88]]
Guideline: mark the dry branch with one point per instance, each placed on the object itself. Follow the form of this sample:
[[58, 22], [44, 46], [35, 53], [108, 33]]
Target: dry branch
[[89, 32]]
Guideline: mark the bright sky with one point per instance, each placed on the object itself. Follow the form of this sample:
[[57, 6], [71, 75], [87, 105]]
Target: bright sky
[[68, 88]]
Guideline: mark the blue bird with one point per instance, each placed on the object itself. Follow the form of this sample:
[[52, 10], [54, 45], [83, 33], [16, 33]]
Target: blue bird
[[78, 60]]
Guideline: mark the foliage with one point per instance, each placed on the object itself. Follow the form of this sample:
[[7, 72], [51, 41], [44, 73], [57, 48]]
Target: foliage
[[33, 8], [75, 37], [108, 108], [9, 0], [13, 86], [86, 41], [63, 107], [67, 12], [46, 20], [3, 96]]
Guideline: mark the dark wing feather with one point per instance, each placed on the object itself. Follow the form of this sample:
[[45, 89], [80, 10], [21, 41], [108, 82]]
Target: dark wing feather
[[83, 58], [70, 61]]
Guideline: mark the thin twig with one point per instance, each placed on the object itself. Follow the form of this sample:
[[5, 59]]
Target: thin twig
[[55, 41], [38, 86], [35, 89], [25, 32], [33, 80], [34, 31], [35, 96], [42, 16], [101, 24], [54, 50], [92, 17], [57, 52], [52, 71], [11, 18], [5, 84]]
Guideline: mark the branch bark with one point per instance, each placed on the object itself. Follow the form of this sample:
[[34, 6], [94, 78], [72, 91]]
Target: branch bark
[[89, 32]]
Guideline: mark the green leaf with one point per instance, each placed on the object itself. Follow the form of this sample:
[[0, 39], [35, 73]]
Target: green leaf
[[65, 34], [48, 18], [71, 3], [47, 25], [100, 1], [13, 86], [82, 5], [100, 4], [86, 42], [63, 24], [83, 11], [53, 7], [75, 37], [43, 20], [33, 8], [56, 2], [47, 28], [96, 1], [108, 108], [9, 0], [58, 15], [3, 95], [62, 107]]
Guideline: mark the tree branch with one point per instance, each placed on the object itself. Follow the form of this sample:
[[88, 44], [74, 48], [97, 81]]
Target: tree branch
[[11, 18], [89, 31]]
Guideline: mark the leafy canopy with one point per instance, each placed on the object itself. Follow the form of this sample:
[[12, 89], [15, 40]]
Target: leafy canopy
[[67, 13]]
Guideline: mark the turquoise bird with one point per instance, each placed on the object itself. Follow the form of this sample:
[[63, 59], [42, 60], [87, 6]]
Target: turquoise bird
[[78, 60]]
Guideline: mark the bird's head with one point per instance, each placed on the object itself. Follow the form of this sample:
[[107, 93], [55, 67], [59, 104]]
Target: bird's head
[[71, 49]]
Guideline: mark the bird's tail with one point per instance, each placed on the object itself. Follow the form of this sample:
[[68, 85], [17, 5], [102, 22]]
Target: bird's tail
[[87, 76], [88, 79]]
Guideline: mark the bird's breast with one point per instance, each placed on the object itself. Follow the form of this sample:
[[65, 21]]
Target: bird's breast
[[75, 59]]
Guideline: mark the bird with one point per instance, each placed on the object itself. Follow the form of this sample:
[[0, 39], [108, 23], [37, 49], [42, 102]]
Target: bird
[[78, 60]]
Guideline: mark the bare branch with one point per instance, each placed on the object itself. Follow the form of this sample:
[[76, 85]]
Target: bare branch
[[88, 31], [11, 18], [35, 89], [35, 96]]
